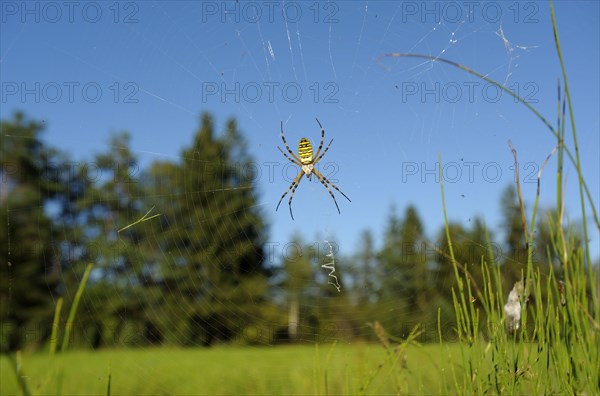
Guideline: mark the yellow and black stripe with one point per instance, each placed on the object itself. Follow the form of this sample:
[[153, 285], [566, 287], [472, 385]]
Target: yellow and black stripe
[[305, 151]]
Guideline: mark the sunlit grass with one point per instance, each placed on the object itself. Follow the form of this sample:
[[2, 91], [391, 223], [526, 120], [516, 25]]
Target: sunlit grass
[[299, 369]]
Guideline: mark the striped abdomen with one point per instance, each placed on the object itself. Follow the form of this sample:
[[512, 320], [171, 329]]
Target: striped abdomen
[[305, 151]]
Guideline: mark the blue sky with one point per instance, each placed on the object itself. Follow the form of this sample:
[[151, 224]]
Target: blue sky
[[152, 67]]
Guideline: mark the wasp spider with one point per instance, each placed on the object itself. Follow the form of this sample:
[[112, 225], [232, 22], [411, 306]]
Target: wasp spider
[[306, 161]]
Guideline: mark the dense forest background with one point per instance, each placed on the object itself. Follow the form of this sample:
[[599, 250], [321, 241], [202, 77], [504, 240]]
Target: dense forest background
[[201, 272]]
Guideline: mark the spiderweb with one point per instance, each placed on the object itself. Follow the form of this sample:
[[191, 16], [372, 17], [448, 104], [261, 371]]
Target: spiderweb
[[162, 63]]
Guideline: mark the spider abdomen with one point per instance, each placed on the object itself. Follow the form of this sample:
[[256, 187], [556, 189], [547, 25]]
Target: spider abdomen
[[305, 151]]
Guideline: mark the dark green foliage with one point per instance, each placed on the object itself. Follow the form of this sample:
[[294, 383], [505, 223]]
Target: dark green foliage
[[406, 280], [470, 246], [209, 262], [27, 264], [514, 250]]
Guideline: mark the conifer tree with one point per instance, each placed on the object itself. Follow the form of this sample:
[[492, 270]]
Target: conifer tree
[[28, 276], [211, 259], [514, 260], [406, 282]]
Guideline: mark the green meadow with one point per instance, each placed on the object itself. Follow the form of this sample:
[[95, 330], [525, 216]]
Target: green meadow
[[299, 369], [319, 369]]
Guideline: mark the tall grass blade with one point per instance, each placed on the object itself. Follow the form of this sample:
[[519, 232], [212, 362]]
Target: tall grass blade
[[55, 324], [73, 310], [17, 364], [574, 160], [109, 380]]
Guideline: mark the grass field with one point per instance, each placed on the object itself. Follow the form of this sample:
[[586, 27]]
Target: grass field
[[301, 369], [298, 369]]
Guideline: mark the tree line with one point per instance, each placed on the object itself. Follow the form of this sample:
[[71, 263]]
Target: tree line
[[181, 257]]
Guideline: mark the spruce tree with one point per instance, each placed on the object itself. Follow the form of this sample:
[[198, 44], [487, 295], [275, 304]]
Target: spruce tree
[[211, 260], [28, 276]]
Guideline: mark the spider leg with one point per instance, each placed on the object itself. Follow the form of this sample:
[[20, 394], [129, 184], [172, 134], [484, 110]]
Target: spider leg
[[298, 178], [329, 191], [294, 183], [321, 177], [323, 153], [288, 147], [322, 139], [288, 157]]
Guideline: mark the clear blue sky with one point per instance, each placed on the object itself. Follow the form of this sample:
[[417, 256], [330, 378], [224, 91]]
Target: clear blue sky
[[390, 118]]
